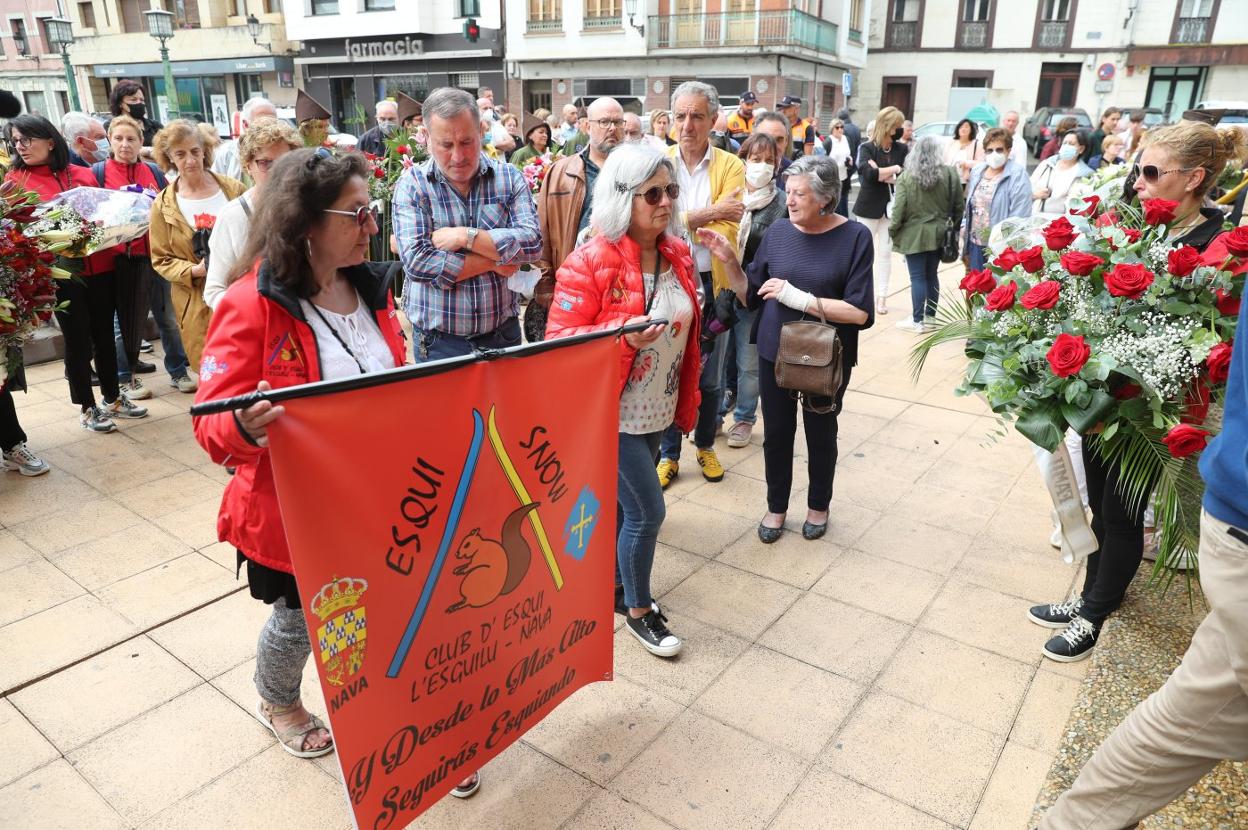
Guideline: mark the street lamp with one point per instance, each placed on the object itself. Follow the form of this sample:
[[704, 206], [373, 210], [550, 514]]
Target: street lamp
[[160, 26], [61, 35], [253, 29], [630, 9]]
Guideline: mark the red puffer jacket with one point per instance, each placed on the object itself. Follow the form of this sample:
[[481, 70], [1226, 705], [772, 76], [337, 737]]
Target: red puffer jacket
[[599, 286], [258, 332]]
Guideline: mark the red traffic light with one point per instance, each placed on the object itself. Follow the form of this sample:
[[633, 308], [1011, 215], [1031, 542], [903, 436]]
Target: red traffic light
[[472, 30]]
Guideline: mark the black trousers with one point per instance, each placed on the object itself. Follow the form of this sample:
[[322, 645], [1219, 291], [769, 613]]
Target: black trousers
[[780, 430], [1119, 534], [87, 325], [10, 430]]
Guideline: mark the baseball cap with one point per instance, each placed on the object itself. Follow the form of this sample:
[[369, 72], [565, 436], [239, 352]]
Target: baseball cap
[[748, 97], [789, 101]]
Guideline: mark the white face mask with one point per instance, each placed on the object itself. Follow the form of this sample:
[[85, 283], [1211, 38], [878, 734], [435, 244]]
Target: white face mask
[[758, 173], [1067, 152], [995, 159]]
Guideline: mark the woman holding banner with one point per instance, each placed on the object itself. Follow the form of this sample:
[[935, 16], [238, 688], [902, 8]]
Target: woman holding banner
[[636, 268], [304, 285]]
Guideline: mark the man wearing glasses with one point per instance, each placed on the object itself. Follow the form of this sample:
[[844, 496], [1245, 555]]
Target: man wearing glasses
[[711, 181], [564, 204], [464, 224]]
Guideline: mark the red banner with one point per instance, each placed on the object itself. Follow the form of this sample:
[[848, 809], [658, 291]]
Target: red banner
[[453, 539]]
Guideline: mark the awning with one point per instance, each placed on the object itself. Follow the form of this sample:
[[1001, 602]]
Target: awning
[[223, 66]]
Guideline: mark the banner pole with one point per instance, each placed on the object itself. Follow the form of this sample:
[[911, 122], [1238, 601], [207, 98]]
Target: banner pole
[[419, 370]]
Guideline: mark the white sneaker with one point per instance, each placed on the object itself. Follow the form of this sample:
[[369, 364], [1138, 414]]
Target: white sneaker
[[123, 408], [95, 420], [20, 459], [135, 390], [1056, 538], [911, 326], [186, 383]]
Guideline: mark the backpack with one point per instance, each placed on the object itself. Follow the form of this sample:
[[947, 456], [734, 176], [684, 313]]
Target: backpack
[[161, 181]]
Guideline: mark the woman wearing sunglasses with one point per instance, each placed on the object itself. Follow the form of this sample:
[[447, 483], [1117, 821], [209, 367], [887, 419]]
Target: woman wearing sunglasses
[[259, 148], [195, 199], [1179, 163], [305, 284], [636, 268]]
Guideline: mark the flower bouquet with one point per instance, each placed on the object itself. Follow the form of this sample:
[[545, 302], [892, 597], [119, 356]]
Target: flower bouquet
[[106, 217], [1110, 329], [535, 172], [403, 151], [27, 277]]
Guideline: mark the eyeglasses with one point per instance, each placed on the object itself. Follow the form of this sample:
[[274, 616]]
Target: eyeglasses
[[362, 214], [24, 142], [654, 194], [264, 164], [608, 123], [1152, 174]]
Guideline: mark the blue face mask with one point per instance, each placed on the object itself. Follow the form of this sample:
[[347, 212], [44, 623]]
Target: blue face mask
[[102, 148], [1067, 152]]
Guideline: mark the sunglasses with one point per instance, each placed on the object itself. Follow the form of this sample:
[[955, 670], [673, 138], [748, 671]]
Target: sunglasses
[[654, 194], [1150, 173], [362, 214]]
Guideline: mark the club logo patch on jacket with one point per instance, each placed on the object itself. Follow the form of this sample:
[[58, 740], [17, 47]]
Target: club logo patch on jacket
[[285, 358]]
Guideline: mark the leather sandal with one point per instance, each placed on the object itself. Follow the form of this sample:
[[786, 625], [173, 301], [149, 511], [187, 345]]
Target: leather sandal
[[293, 738]]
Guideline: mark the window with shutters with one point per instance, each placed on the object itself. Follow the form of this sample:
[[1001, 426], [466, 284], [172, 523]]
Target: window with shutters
[[602, 14], [132, 19], [21, 42], [545, 16], [186, 14], [86, 15], [975, 24]]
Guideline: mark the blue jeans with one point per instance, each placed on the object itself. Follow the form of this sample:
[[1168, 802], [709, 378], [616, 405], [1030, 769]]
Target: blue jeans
[[975, 257], [639, 515], [176, 362], [746, 365], [924, 284], [428, 344]]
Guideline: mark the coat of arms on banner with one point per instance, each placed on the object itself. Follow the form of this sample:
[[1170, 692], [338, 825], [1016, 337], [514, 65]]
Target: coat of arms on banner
[[344, 627]]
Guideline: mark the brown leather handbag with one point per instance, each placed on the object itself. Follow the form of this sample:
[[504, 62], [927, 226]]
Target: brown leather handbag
[[808, 362]]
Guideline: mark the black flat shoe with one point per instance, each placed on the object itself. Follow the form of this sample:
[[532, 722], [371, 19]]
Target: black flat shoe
[[768, 535], [811, 531]]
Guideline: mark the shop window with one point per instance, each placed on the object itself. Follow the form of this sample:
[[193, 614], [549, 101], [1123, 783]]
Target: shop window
[[86, 15]]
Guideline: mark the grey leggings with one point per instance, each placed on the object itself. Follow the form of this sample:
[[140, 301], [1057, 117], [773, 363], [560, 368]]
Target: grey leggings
[[281, 653]]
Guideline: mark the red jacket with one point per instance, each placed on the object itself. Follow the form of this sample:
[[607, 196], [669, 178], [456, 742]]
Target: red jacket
[[119, 176], [47, 184], [599, 286], [258, 332]]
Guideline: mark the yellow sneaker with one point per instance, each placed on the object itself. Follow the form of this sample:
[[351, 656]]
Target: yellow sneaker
[[712, 470], [667, 470]]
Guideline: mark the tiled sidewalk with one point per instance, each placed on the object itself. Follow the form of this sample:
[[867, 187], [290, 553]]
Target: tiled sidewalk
[[884, 677]]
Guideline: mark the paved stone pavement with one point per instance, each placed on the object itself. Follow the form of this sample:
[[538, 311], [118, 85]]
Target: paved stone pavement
[[884, 677]]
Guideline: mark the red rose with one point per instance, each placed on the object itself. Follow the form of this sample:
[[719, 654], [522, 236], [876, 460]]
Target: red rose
[[1184, 439], [1032, 259], [1196, 404], [1059, 233], [1109, 217], [1042, 295], [1127, 391], [204, 221], [1067, 355], [978, 282], [1219, 362], [1006, 260], [1128, 280], [402, 149], [1159, 211], [378, 173], [1183, 261], [1237, 241], [1002, 297], [1081, 264], [1132, 234], [1228, 305], [1090, 206]]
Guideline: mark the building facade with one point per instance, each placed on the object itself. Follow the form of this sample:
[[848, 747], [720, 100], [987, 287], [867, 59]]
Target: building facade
[[215, 61], [567, 51], [30, 67], [358, 52], [931, 57]]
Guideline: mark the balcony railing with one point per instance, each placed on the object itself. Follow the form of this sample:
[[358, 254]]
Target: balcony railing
[[601, 23], [903, 34], [974, 34], [741, 29], [1052, 34], [544, 26], [1192, 30]]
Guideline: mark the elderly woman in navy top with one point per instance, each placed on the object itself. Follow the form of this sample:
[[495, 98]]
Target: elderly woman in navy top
[[815, 259]]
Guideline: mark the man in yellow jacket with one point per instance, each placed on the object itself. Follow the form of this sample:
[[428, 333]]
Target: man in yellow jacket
[[711, 181]]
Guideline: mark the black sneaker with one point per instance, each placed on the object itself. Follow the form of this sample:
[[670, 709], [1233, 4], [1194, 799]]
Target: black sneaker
[[620, 606], [1074, 643], [651, 631], [142, 367], [1057, 615]]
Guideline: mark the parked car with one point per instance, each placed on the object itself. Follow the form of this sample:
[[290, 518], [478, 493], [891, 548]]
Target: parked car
[[1039, 128], [1234, 116]]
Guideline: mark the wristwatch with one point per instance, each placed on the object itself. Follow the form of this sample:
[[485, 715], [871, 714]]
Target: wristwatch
[[472, 237]]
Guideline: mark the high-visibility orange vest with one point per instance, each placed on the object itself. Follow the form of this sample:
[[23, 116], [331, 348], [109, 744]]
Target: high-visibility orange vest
[[739, 124]]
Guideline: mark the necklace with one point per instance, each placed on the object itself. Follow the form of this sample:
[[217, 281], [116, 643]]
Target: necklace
[[338, 337]]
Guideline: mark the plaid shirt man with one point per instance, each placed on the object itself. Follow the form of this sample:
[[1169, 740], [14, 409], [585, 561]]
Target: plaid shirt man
[[500, 204]]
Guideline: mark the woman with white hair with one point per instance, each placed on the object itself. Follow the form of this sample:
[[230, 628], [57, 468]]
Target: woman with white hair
[[927, 200], [633, 269], [816, 263]]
